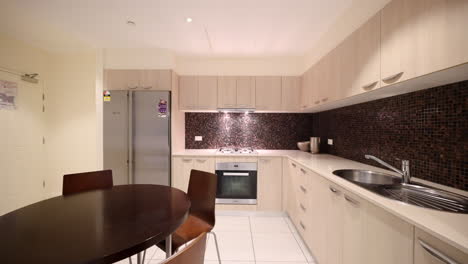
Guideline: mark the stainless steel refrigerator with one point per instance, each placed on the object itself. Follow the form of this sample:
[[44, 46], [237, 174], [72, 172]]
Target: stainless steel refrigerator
[[137, 142]]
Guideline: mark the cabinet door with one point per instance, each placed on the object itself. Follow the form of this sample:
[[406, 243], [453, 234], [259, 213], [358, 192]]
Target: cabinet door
[[290, 93], [164, 80], [292, 192], [367, 56], [348, 61], [388, 239], [245, 92], [122, 79], [268, 93], [269, 184], [188, 92], [335, 208], [207, 92], [398, 36], [204, 164], [354, 222], [442, 38], [148, 80], [227, 92], [430, 250], [306, 89], [317, 216], [182, 166]]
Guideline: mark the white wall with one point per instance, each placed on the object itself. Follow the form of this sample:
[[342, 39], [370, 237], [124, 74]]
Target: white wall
[[71, 117], [138, 59], [22, 163]]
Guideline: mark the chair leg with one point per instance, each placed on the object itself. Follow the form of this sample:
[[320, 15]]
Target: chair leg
[[217, 247], [130, 260], [144, 255]]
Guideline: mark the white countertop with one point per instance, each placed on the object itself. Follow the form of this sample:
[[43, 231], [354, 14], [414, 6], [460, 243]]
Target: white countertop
[[449, 227]]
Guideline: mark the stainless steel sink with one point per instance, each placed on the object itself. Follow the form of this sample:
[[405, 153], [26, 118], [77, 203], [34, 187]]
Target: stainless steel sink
[[367, 177], [414, 194]]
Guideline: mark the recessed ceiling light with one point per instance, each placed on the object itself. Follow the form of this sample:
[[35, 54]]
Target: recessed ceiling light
[[188, 19], [131, 23]]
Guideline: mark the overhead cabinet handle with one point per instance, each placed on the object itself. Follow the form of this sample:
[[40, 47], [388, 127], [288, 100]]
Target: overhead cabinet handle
[[333, 190], [436, 253], [201, 160], [303, 171], [392, 77], [302, 207], [369, 86], [133, 88], [304, 190], [186, 160], [302, 225]]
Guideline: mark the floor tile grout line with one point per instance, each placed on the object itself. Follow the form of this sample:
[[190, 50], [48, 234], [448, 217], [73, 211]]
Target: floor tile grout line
[[251, 238]]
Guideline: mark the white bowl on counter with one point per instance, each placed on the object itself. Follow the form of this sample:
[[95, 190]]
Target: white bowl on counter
[[304, 146]]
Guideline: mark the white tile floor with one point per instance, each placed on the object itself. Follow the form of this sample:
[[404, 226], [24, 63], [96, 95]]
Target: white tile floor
[[250, 240]]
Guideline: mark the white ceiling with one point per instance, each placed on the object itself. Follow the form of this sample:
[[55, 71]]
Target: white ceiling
[[229, 28]]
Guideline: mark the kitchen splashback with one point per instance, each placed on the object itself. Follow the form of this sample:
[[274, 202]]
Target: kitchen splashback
[[428, 127], [257, 130]]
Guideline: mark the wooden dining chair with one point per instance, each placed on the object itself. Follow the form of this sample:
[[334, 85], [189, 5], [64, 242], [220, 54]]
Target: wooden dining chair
[[194, 253], [86, 181], [201, 219]]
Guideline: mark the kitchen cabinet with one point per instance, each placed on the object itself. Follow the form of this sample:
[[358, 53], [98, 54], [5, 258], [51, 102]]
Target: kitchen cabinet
[[138, 80], [335, 208], [245, 92], [367, 56], [268, 93], [354, 224], [207, 92], [182, 166], [316, 235], [291, 200], [310, 88], [430, 250], [290, 93], [227, 92], [188, 92], [236, 92], [348, 61], [198, 92], [388, 239], [269, 183]]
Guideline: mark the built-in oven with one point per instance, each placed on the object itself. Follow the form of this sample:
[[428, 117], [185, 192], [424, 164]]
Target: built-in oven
[[237, 183]]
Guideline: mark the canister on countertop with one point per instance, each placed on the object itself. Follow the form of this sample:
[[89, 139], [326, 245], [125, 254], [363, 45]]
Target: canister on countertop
[[314, 145]]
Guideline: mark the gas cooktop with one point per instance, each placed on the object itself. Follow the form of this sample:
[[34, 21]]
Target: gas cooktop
[[229, 150]]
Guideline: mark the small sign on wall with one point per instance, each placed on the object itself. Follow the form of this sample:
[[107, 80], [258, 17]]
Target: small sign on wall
[[107, 96], [8, 92]]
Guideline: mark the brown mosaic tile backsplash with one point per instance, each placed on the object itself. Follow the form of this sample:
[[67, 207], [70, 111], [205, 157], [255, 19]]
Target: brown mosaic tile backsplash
[[257, 130], [429, 128]]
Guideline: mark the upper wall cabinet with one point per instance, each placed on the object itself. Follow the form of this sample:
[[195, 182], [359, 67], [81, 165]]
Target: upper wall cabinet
[[207, 92], [236, 92], [290, 93], [422, 36], [245, 92], [268, 93], [137, 80], [198, 92]]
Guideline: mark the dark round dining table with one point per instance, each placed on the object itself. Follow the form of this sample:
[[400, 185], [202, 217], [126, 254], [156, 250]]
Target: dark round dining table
[[102, 226]]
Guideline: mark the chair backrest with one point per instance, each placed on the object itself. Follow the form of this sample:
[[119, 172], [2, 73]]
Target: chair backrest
[[193, 253], [202, 195], [86, 181]]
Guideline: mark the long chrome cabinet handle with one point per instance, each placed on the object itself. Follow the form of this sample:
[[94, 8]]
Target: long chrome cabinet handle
[[391, 77], [349, 199], [436, 253]]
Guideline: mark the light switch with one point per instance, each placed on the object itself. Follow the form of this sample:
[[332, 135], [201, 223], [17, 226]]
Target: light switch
[[330, 141], [198, 138]]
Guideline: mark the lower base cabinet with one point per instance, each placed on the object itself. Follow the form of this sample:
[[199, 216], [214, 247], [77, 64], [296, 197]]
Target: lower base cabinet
[[430, 250], [389, 239], [182, 166]]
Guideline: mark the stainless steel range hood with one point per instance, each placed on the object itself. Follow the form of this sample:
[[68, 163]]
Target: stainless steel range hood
[[236, 110]]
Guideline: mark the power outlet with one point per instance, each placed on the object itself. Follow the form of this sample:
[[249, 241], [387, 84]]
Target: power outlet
[[330, 142], [198, 138]]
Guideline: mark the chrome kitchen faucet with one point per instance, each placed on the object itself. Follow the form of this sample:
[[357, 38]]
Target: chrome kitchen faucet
[[404, 172]]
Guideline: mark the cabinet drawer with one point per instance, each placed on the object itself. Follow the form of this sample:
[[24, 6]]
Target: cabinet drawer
[[430, 250]]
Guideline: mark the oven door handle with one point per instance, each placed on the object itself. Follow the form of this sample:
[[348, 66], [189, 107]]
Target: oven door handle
[[231, 174]]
